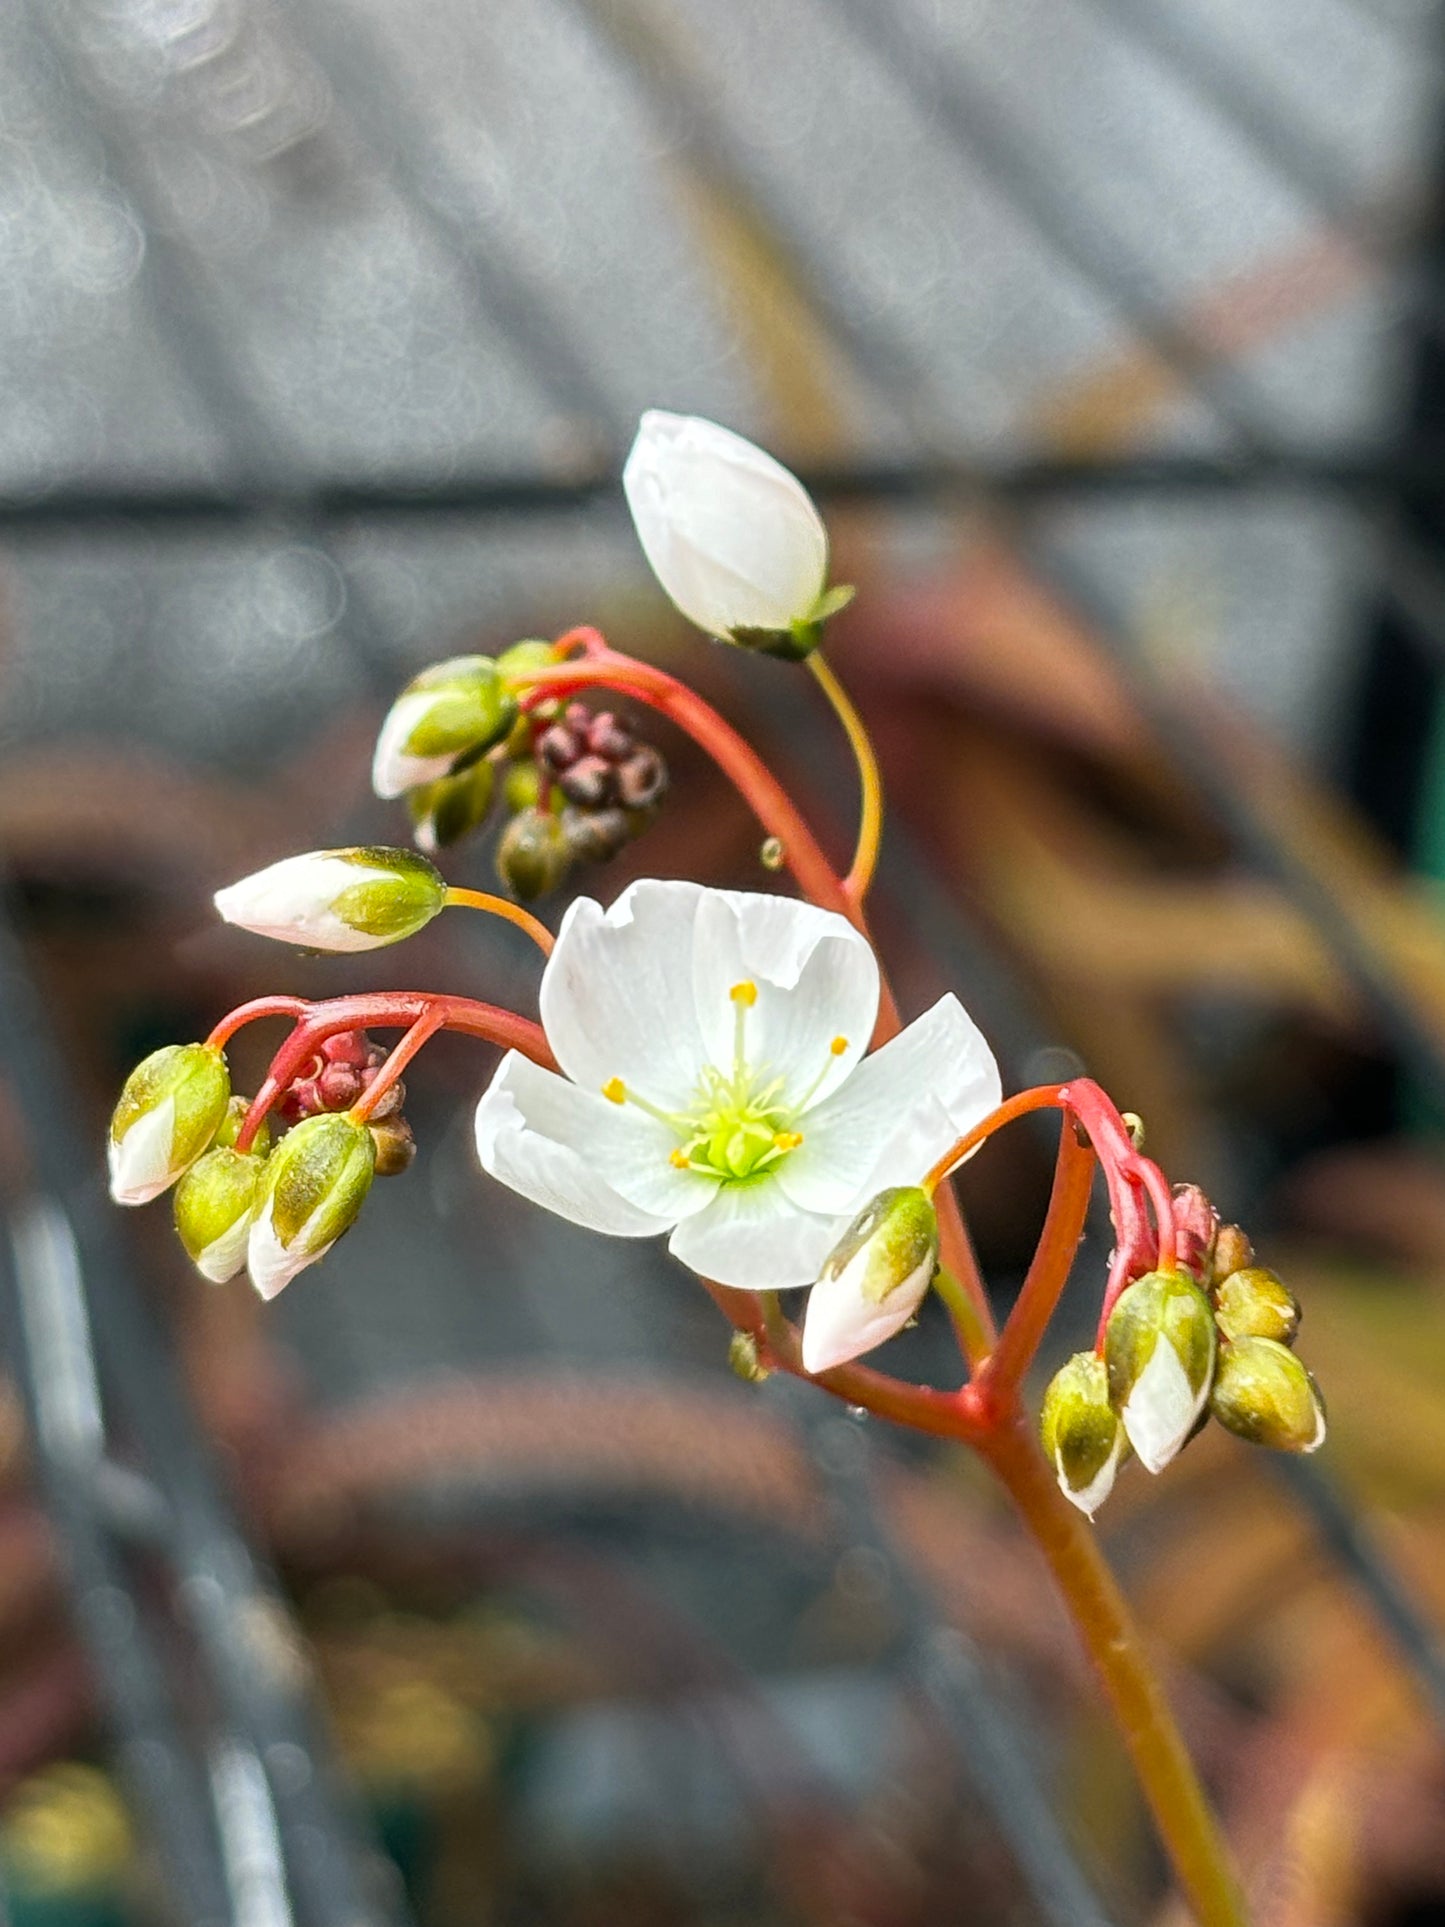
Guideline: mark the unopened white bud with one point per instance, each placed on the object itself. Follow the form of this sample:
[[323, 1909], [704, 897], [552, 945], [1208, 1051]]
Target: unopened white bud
[[214, 1205], [732, 536], [452, 711], [337, 899], [316, 1182], [1159, 1347], [874, 1279], [1081, 1432], [170, 1110]]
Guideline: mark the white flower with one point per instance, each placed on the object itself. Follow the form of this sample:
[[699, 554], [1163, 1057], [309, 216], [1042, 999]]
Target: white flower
[[732, 535], [716, 1084], [337, 899]]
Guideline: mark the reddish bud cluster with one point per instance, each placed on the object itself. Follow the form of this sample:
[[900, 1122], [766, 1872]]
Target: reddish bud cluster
[[332, 1080], [598, 763]]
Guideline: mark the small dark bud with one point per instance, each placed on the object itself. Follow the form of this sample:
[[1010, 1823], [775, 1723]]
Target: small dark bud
[[351, 1047], [589, 782], [395, 1145], [1232, 1251], [609, 738], [532, 856], [559, 747], [642, 779], [595, 836], [578, 718]]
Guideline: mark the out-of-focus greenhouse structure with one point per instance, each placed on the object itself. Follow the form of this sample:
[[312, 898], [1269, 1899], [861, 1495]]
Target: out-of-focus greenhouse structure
[[465, 1583]]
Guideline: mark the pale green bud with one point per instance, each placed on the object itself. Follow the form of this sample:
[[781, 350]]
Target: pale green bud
[[1081, 1432], [516, 662], [338, 899], [1262, 1393], [873, 1280], [744, 1360], [1254, 1303], [170, 1110], [456, 709], [237, 1112], [1159, 1347], [214, 1205], [445, 811], [316, 1182]]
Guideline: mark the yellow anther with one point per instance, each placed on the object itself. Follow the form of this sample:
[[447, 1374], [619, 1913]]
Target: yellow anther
[[744, 993], [678, 1159], [615, 1091], [838, 1046], [787, 1140]]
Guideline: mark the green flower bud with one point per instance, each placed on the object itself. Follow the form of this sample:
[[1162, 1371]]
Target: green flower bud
[[214, 1205], [744, 1361], [1254, 1303], [515, 663], [338, 899], [532, 854], [236, 1114], [1081, 1433], [521, 787], [171, 1108], [1262, 1393], [1159, 1348], [873, 1280], [316, 1182], [445, 811], [455, 709]]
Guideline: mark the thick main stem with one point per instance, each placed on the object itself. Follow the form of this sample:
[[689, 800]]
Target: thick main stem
[[1141, 1711]]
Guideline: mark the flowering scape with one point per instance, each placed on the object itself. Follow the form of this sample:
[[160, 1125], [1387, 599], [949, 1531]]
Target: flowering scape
[[727, 1069]]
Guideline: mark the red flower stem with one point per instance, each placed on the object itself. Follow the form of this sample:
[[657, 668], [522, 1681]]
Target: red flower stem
[[602, 666], [1002, 1374], [249, 1013], [426, 1026], [390, 1010]]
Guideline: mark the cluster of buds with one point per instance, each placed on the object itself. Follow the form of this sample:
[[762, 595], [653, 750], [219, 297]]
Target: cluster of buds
[[575, 786], [1211, 1337], [274, 1208], [593, 787]]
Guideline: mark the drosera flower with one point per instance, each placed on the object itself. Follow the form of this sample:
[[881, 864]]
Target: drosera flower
[[716, 1083], [733, 536], [356, 899]]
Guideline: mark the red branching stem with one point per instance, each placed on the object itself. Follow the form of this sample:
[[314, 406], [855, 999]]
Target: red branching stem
[[999, 1381], [249, 1014], [426, 1026], [391, 1010]]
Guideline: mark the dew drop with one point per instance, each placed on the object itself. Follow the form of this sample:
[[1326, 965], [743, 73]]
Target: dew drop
[[859, 1412], [772, 855]]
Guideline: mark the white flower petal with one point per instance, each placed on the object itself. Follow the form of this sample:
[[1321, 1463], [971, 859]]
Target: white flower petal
[[616, 996], [632, 1149], [899, 1111], [842, 1322], [750, 1235], [816, 978], [142, 1163], [732, 535], [393, 772], [1160, 1411], [223, 1257], [291, 901], [273, 1265], [547, 1170], [1088, 1498]]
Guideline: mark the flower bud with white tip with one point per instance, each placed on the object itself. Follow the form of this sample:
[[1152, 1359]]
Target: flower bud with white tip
[[316, 1182], [343, 900], [455, 709], [445, 811], [873, 1280], [1255, 1303], [1262, 1393], [732, 535], [214, 1205], [1081, 1432], [169, 1112], [1159, 1347]]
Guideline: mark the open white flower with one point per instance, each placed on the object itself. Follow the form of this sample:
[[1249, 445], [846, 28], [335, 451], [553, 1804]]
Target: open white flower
[[732, 535], [716, 1084]]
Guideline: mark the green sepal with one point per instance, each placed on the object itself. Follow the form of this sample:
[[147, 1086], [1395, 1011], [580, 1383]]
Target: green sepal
[[317, 1178], [195, 1077], [396, 905]]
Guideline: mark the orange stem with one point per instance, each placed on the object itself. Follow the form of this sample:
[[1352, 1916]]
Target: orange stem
[[503, 907], [1002, 1373]]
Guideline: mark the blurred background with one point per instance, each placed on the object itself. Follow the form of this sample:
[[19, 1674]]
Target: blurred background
[[465, 1584]]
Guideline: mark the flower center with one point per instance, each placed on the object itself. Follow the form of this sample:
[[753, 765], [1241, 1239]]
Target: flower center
[[742, 1121]]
